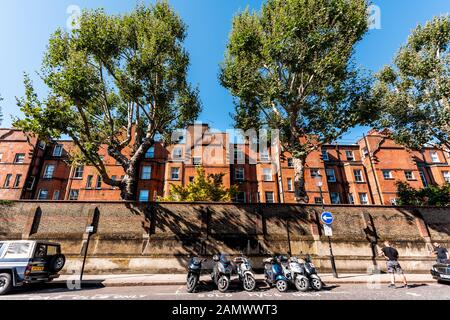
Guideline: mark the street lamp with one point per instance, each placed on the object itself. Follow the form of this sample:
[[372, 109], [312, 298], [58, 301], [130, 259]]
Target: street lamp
[[319, 184]]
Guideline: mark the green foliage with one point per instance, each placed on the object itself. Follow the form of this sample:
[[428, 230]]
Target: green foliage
[[290, 67], [414, 91], [7, 203], [429, 196], [113, 74], [203, 188]]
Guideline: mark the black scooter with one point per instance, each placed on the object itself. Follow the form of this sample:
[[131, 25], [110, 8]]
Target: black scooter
[[194, 271]]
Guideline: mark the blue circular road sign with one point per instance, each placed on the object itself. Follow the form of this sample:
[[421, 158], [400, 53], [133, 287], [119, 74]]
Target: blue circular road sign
[[327, 217]]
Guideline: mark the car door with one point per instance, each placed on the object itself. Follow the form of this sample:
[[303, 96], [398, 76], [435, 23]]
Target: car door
[[39, 261]]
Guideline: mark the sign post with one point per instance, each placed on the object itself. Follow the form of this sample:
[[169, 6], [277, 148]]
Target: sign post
[[327, 220], [89, 231]]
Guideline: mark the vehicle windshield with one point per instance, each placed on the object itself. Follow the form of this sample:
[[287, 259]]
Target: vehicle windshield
[[224, 257]]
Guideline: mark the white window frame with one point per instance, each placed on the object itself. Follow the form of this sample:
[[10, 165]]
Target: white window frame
[[390, 176], [315, 173], [17, 180], [150, 154], [435, 157], [46, 171], [196, 161], [423, 178], [360, 175], [290, 162], [290, 184], [239, 174], [412, 175], [172, 172], [56, 192], [40, 193], [16, 158], [272, 195], [349, 154], [244, 198], [177, 153], [33, 180], [76, 172], [146, 173], [57, 150], [446, 176], [351, 198], [264, 155], [363, 195], [267, 174], [73, 192]]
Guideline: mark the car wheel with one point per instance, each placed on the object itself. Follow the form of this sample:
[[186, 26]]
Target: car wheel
[[57, 262], [5, 283]]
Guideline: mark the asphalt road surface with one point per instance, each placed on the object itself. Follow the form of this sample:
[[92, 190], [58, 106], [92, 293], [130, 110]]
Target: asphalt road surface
[[206, 292]]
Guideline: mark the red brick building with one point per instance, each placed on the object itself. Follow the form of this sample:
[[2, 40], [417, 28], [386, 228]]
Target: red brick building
[[360, 173]]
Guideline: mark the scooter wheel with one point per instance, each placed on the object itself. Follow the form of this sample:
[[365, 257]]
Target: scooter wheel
[[249, 282], [301, 283], [316, 283], [282, 285], [223, 283], [191, 283]]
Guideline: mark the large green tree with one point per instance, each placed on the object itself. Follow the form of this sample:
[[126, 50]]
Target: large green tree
[[415, 91], [290, 67], [118, 80]]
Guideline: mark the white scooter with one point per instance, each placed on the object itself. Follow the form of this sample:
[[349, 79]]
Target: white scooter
[[294, 272], [245, 273]]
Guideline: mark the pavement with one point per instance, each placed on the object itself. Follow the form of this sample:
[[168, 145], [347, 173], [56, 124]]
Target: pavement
[[134, 280]]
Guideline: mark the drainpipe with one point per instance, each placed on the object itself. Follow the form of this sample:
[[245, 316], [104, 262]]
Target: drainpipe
[[373, 170], [279, 175]]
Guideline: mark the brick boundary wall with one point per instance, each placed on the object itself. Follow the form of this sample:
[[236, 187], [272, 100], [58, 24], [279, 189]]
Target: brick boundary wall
[[131, 238]]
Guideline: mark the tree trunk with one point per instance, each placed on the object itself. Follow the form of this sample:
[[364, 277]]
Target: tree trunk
[[299, 180], [128, 186]]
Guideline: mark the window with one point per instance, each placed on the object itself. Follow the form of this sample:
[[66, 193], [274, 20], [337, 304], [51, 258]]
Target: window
[[175, 173], [240, 197], [239, 174], [56, 194], [423, 178], [98, 185], [191, 179], [177, 153], [42, 145], [49, 170], [17, 181], [393, 201], [318, 200], [335, 198], [57, 150], [18, 250], [364, 152], [363, 198], [315, 173], [358, 175], [150, 153], [196, 161], [1, 157], [30, 183], [89, 181], [7, 180], [290, 186], [269, 197], [290, 162], [434, 156], [349, 154], [73, 194], [446, 175], [144, 195], [409, 175], [43, 194], [19, 158], [264, 155], [267, 174], [146, 173], [351, 199], [325, 155], [78, 174], [238, 155], [331, 176], [387, 174]]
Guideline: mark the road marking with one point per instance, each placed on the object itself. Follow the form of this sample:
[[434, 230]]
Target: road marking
[[414, 294]]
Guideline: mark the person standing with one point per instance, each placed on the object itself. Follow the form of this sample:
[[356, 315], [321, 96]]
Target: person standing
[[441, 253], [393, 266]]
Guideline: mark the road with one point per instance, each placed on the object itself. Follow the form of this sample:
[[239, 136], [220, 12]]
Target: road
[[205, 292]]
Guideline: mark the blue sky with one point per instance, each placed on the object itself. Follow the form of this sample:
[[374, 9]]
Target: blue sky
[[25, 26]]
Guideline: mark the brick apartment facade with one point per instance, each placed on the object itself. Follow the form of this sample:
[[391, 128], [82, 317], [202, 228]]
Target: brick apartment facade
[[360, 173]]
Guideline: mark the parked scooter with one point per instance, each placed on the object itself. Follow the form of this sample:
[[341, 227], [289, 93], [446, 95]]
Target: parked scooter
[[194, 271], [274, 274], [221, 272], [311, 273], [294, 272], [245, 273]]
